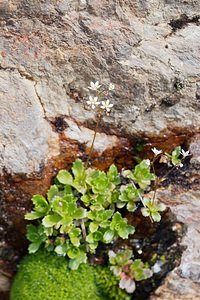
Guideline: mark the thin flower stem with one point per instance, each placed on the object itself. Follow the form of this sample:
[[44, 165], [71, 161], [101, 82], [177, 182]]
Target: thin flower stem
[[140, 196], [84, 235], [92, 146], [159, 180]]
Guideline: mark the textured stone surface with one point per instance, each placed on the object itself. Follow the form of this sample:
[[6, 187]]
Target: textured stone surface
[[183, 282], [26, 137], [50, 51], [155, 66]]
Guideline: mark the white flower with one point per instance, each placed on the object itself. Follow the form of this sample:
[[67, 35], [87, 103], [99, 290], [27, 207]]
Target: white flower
[[94, 86], [93, 102], [111, 253], [106, 105], [128, 284], [111, 86], [156, 151], [185, 153]]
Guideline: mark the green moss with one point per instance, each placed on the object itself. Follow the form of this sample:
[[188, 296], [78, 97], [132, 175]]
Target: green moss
[[109, 285], [46, 276]]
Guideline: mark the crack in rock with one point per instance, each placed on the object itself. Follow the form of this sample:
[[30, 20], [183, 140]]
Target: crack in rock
[[27, 76]]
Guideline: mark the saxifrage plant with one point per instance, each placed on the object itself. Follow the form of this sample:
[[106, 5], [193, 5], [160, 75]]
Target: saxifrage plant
[[82, 208]]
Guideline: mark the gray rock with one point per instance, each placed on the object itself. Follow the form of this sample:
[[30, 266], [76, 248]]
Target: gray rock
[[27, 139], [51, 50]]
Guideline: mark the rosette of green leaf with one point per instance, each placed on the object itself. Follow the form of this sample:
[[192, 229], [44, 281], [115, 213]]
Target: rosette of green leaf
[[99, 182], [118, 260], [175, 156], [63, 213], [75, 235], [99, 216], [128, 195], [77, 255], [99, 225], [142, 174], [93, 238], [113, 175], [41, 208], [36, 235], [98, 201], [78, 182], [138, 271], [118, 227], [152, 209]]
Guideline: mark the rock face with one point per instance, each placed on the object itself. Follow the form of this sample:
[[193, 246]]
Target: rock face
[[51, 50]]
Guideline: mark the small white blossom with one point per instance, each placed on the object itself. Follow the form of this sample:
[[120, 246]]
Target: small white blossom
[[156, 151], [128, 284], [185, 153], [111, 253], [93, 102], [111, 86], [106, 105], [94, 86]]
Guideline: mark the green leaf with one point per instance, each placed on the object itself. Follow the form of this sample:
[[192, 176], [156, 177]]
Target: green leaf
[[93, 246], [32, 233], [34, 215], [142, 174], [78, 169], [123, 257], [33, 247], [66, 220], [51, 220], [131, 206], [90, 215], [74, 263], [80, 213], [113, 175], [52, 192], [108, 236], [125, 230], [93, 226], [176, 152], [86, 199], [59, 206], [75, 231], [61, 249], [145, 212], [103, 215], [75, 240], [72, 208], [65, 177], [105, 224], [147, 201], [73, 252], [128, 174], [40, 203], [156, 216], [121, 204], [98, 236]]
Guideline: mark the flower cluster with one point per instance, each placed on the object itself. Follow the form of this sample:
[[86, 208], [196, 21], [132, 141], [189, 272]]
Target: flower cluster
[[93, 102]]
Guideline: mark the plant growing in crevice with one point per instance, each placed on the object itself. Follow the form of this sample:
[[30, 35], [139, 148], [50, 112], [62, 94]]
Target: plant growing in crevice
[[82, 207], [128, 270]]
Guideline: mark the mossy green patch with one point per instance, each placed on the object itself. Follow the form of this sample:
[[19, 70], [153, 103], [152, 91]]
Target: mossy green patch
[[46, 276]]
